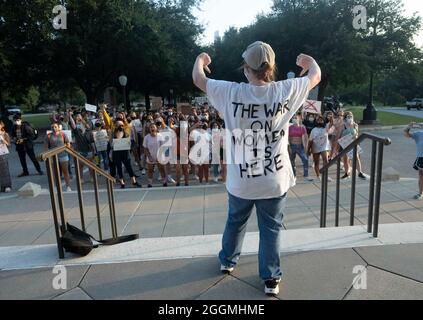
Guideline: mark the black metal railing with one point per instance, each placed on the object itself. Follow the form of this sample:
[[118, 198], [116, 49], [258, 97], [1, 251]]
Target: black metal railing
[[378, 144], [56, 196]]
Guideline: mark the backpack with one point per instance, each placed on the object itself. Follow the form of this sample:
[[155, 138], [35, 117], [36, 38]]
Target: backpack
[[34, 132], [81, 243]]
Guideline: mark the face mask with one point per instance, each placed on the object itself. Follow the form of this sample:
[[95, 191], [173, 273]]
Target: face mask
[[120, 129], [171, 113], [311, 119], [349, 121], [79, 126], [18, 122]]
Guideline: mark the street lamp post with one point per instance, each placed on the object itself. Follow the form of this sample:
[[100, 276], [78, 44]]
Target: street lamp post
[[123, 81], [370, 113]]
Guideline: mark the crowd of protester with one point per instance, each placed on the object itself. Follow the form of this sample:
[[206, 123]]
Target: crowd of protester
[[145, 131]]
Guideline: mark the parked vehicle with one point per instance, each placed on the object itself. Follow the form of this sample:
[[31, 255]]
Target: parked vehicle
[[415, 103], [12, 110]]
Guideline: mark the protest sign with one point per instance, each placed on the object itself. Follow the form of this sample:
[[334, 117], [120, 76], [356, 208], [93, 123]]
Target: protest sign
[[101, 139], [312, 106], [320, 144], [123, 144], [3, 149], [90, 108], [137, 125], [346, 141]]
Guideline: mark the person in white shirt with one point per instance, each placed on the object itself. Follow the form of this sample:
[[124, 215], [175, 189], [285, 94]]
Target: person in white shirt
[[319, 144], [257, 115]]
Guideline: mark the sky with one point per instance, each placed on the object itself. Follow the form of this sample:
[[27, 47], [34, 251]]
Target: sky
[[220, 15]]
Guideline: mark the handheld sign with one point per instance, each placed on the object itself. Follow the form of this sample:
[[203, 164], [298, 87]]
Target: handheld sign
[[123, 144], [90, 108], [101, 139], [312, 106], [3, 149], [137, 125], [344, 142], [320, 144]]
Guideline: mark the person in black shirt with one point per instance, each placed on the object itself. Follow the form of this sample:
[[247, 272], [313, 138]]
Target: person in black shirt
[[23, 136]]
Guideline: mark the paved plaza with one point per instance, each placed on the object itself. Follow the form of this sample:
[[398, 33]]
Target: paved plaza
[[180, 231]]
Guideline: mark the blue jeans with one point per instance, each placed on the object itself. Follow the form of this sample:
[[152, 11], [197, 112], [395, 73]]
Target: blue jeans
[[215, 168], [269, 217], [299, 150], [103, 155]]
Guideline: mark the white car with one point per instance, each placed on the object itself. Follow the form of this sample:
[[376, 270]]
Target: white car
[[415, 103], [12, 110]]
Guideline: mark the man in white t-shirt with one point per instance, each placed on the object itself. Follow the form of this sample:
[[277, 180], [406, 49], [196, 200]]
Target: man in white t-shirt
[[257, 115]]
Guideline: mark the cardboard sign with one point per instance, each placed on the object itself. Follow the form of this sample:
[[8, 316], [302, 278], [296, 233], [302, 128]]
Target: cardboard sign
[[137, 125], [101, 140], [123, 144], [344, 142], [68, 134], [3, 149], [90, 108], [320, 144], [312, 106]]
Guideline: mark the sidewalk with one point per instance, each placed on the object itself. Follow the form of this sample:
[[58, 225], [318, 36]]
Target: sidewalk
[[173, 212]]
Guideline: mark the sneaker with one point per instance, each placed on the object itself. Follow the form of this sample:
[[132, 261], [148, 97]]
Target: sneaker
[[226, 270], [23, 174], [150, 186], [418, 197], [170, 179], [308, 179], [197, 177], [216, 179], [165, 185], [8, 190], [362, 176], [345, 176], [143, 172], [272, 287], [68, 189], [330, 179]]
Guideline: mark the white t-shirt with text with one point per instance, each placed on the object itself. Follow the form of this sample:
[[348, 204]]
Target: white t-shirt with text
[[268, 108]]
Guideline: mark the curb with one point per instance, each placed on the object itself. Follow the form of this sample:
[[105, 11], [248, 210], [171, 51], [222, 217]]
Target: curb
[[370, 129]]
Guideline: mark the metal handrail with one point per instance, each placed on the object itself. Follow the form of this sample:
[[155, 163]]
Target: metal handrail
[[51, 153], [375, 182], [51, 158]]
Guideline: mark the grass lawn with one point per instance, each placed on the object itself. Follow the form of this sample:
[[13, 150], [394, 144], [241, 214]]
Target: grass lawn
[[385, 118], [38, 121]]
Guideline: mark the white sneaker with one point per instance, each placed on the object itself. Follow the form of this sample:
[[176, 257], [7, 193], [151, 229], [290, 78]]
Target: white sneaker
[[170, 179], [197, 177], [68, 189], [330, 179], [8, 190], [418, 197], [226, 270], [272, 287], [216, 179]]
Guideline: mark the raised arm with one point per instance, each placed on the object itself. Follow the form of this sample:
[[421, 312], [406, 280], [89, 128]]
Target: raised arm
[[198, 75], [309, 64]]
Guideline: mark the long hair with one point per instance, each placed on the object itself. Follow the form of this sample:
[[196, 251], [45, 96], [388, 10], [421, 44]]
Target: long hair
[[265, 73]]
